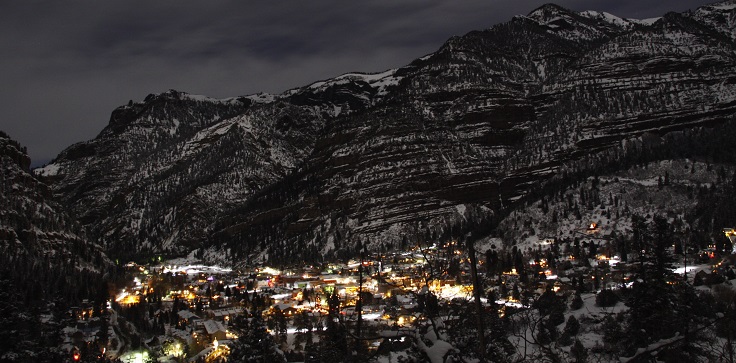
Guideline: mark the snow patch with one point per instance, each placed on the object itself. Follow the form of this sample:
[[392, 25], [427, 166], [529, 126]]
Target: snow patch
[[461, 209], [724, 6], [261, 98], [201, 98], [646, 22], [607, 17], [48, 170], [380, 81]]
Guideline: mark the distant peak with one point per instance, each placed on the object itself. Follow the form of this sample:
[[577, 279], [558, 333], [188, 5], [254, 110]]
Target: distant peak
[[549, 7], [547, 10], [171, 93], [609, 18], [554, 16], [722, 5]]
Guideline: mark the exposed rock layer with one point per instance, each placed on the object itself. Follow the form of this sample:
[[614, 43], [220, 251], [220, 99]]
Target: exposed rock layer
[[448, 141]]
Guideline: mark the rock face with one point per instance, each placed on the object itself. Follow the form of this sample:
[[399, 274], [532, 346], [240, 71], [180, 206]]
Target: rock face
[[443, 145], [41, 247]]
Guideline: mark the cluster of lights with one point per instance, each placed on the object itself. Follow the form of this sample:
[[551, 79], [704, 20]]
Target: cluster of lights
[[135, 357], [128, 299], [406, 320], [175, 350]]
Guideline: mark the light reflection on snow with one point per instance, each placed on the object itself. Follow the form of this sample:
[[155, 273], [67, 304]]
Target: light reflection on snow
[[682, 270], [513, 304], [280, 296], [372, 316], [197, 269]]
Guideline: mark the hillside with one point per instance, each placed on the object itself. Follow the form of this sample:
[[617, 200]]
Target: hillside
[[680, 190], [47, 264]]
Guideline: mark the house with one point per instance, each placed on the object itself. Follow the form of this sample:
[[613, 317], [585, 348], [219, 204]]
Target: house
[[225, 314], [215, 330], [187, 316]]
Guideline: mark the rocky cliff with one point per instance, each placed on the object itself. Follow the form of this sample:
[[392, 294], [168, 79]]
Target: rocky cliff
[[42, 248]]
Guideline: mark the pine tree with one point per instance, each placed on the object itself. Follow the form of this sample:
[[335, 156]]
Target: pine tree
[[463, 335], [255, 344], [571, 329], [334, 345], [577, 302], [660, 308], [578, 352]]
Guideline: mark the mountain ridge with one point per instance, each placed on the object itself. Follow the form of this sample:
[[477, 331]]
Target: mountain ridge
[[447, 143]]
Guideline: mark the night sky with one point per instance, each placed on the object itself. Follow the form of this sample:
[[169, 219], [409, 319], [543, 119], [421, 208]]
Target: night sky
[[66, 65]]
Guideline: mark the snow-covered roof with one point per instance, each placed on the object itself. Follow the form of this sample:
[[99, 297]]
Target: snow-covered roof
[[228, 311], [182, 335], [212, 327], [186, 314]]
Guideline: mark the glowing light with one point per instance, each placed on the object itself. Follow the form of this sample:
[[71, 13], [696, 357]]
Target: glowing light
[[682, 270], [271, 271], [613, 261], [135, 357], [127, 299], [372, 316]]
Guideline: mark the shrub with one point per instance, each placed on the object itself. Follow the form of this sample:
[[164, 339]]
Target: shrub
[[577, 302], [606, 298]]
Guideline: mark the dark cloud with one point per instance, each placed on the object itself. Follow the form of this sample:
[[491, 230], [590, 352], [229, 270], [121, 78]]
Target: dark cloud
[[66, 65]]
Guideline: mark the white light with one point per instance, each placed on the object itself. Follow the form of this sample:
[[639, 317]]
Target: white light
[[681, 270], [371, 316]]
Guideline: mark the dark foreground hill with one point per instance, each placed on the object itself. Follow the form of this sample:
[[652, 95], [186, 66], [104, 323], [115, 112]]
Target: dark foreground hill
[[47, 263]]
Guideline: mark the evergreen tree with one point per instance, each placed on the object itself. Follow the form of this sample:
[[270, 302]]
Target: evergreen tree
[[577, 302], [660, 308], [255, 344], [334, 345], [578, 352], [463, 335]]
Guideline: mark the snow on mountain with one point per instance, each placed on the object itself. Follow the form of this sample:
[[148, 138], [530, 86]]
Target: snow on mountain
[[378, 81], [39, 241], [718, 16], [610, 18], [670, 188], [444, 145]]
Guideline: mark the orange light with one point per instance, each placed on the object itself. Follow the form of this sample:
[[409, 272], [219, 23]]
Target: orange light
[[76, 356]]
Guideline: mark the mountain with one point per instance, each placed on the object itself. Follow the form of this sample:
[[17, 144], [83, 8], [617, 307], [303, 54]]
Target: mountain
[[446, 145], [42, 247], [47, 263]]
